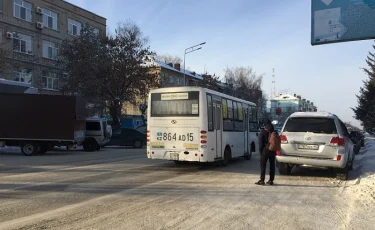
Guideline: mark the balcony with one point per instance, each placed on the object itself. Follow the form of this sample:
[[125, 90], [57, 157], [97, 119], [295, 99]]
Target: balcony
[[25, 57], [35, 59]]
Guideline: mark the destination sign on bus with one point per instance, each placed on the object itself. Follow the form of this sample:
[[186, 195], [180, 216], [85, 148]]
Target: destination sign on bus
[[174, 96]]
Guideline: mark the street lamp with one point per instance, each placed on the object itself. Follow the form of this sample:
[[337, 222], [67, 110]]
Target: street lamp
[[189, 50]]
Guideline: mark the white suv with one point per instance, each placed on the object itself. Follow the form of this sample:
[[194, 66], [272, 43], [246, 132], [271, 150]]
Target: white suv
[[97, 134], [315, 139]]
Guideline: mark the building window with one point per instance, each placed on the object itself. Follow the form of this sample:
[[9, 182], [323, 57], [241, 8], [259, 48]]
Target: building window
[[50, 80], [23, 75], [1, 5], [50, 50], [50, 19], [171, 79], [96, 31], [22, 10], [74, 27], [22, 43]]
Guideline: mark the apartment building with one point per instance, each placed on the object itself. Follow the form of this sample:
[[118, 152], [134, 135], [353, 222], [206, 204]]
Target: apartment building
[[32, 32], [288, 104], [170, 75]]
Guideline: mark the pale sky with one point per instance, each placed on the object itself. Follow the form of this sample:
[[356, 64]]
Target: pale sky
[[256, 33]]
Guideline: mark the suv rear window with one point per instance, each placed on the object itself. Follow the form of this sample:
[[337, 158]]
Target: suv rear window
[[311, 124]]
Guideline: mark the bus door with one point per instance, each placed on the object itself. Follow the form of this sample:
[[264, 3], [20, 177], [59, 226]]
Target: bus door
[[218, 127], [246, 125]]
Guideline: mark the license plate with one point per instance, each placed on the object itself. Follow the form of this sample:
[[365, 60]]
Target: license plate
[[188, 137], [174, 156], [311, 147]]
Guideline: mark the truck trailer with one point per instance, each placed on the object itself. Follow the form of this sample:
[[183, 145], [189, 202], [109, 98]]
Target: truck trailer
[[38, 122]]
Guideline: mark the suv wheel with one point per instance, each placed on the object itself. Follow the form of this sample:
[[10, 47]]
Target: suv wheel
[[342, 174], [90, 145], [285, 169]]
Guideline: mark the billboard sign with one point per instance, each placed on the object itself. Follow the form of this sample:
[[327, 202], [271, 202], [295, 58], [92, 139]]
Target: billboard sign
[[334, 21]]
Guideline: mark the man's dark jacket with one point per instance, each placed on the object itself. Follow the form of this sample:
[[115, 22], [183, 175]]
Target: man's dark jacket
[[263, 142]]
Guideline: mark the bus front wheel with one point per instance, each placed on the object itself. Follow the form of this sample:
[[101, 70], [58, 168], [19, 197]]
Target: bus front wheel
[[248, 156]]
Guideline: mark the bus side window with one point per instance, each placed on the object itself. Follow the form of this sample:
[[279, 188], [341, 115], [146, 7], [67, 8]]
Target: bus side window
[[238, 116], [246, 118], [210, 113], [228, 122], [235, 116], [253, 119]]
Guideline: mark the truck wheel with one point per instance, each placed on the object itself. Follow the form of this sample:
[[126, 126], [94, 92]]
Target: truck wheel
[[29, 149], [90, 145], [137, 144]]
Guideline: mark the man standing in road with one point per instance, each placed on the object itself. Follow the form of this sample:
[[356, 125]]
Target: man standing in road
[[266, 154]]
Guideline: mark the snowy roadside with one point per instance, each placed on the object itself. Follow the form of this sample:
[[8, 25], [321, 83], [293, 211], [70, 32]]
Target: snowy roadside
[[11, 150], [359, 193], [8, 149], [364, 166]]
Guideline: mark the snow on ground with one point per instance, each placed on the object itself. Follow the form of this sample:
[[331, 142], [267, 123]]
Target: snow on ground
[[360, 192], [364, 170], [9, 150]]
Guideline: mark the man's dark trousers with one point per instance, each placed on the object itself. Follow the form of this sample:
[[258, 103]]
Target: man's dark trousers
[[264, 157]]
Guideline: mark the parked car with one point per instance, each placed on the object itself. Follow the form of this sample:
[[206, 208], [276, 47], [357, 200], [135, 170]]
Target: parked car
[[128, 137], [358, 140], [142, 128], [315, 139]]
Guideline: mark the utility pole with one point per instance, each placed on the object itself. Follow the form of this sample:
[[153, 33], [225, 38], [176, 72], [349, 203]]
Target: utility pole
[[273, 90]]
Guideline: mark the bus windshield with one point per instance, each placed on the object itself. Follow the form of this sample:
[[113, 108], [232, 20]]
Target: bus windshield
[[182, 104]]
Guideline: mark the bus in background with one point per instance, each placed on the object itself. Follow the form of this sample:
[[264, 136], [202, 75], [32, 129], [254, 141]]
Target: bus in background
[[200, 125]]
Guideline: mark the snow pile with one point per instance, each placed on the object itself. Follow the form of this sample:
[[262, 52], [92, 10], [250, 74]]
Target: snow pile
[[8, 149]]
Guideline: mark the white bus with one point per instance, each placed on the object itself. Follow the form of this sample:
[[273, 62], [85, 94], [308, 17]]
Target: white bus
[[200, 125]]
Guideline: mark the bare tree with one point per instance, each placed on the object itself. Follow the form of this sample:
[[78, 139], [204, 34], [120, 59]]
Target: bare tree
[[209, 82], [243, 83], [112, 70], [5, 61], [168, 58]]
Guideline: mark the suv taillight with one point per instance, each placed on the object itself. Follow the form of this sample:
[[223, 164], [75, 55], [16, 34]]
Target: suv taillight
[[284, 139], [337, 141]]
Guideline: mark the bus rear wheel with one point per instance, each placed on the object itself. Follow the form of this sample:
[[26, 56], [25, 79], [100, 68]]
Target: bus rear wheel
[[227, 156]]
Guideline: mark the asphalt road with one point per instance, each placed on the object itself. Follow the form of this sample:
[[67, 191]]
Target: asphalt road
[[118, 188]]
